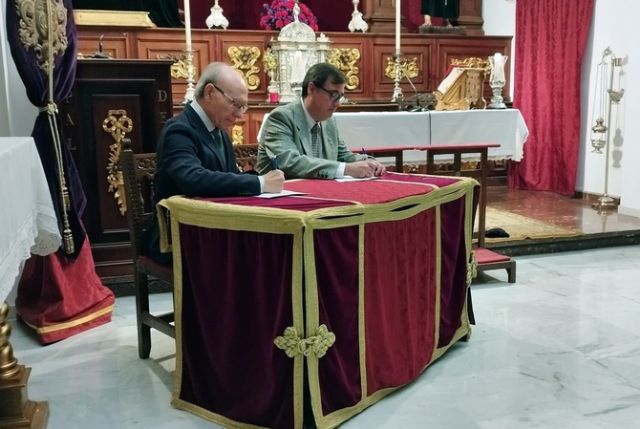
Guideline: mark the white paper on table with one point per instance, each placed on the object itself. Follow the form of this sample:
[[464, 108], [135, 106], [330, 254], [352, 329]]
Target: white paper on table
[[283, 193]]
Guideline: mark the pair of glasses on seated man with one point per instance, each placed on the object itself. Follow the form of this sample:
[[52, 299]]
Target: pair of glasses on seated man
[[240, 107], [335, 96]]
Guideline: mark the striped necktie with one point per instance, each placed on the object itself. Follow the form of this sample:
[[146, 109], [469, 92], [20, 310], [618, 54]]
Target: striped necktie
[[316, 141]]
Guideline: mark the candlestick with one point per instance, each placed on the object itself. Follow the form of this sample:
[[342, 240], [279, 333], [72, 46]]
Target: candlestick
[[188, 95], [187, 24], [397, 26]]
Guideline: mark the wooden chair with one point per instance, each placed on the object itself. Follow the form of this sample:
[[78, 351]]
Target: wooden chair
[[246, 156], [137, 172]]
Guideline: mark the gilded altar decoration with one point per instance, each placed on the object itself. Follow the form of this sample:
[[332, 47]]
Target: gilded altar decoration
[[43, 28], [463, 87], [471, 63], [244, 60], [316, 345], [237, 135], [347, 60], [118, 124], [179, 68], [296, 49], [270, 63], [408, 65]]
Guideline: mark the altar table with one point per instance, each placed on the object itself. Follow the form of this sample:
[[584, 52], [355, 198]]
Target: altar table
[[505, 128], [28, 223], [347, 292]]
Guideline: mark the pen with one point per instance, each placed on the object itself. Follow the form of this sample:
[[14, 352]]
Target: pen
[[364, 152], [274, 163]]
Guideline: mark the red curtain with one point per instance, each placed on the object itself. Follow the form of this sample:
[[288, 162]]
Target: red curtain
[[550, 40]]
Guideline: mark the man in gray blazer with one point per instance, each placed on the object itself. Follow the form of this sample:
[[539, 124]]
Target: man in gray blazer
[[301, 138]]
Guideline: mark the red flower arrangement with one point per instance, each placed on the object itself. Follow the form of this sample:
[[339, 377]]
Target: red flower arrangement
[[280, 13]]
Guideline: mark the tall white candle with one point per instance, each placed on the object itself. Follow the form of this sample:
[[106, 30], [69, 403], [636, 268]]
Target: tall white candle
[[187, 24], [397, 26]]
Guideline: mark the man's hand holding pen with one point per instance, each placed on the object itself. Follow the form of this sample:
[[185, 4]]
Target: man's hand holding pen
[[274, 179], [367, 168]]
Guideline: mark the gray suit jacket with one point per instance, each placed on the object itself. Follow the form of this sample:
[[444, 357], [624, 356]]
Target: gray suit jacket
[[286, 135]]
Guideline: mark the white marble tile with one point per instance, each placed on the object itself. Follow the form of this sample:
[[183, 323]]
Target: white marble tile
[[558, 349]]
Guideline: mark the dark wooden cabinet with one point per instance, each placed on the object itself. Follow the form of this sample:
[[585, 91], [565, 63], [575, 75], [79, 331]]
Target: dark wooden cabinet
[[113, 99]]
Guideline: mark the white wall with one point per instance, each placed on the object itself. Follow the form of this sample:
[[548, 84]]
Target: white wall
[[613, 25], [500, 20], [17, 114]]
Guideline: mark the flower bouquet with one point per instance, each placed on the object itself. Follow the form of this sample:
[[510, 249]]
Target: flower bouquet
[[280, 13]]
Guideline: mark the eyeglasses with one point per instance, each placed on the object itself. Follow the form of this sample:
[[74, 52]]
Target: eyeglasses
[[334, 96], [240, 107]]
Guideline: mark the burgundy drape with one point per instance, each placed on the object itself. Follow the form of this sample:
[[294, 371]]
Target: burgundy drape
[[59, 295], [551, 37], [231, 314]]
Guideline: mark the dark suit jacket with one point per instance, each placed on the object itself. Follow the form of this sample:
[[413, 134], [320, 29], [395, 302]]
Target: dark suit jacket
[[191, 163], [285, 135]]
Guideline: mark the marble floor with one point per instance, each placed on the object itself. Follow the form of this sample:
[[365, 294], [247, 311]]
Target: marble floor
[[558, 349]]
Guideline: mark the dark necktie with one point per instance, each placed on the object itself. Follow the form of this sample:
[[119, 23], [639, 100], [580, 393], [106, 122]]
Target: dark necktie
[[316, 141], [218, 142]]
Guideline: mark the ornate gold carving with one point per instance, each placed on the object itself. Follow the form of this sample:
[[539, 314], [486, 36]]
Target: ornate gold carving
[[118, 124], [409, 66], [294, 345], [269, 61], [471, 62], [43, 28], [179, 68], [347, 60], [244, 60], [237, 135]]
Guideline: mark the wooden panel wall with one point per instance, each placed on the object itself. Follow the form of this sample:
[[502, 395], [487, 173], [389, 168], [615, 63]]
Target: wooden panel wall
[[432, 52]]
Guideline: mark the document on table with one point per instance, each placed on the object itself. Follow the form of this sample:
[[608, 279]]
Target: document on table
[[355, 179], [283, 193]]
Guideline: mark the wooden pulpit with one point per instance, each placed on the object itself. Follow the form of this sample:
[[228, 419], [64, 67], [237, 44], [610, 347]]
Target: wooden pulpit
[[113, 100]]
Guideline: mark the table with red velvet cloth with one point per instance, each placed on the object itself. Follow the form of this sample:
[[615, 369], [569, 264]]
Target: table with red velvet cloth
[[353, 289]]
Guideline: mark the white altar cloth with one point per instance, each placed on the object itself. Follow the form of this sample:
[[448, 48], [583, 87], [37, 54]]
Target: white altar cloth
[[28, 222], [383, 129]]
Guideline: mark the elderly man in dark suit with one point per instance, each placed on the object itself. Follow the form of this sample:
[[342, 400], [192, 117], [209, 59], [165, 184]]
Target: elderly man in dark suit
[[195, 155], [303, 137]]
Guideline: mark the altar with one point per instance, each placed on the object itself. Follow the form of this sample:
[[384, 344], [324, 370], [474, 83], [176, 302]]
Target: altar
[[457, 128]]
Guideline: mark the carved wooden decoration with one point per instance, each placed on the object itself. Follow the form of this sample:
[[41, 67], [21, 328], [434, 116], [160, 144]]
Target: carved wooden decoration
[[348, 61], [118, 124]]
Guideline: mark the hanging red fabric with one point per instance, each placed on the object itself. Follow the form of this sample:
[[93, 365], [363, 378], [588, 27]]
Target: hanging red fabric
[[550, 43]]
